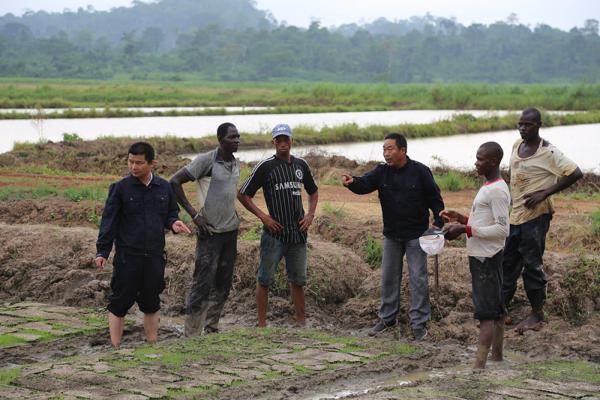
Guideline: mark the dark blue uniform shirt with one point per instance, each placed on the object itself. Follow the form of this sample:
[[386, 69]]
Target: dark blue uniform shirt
[[135, 216], [406, 195]]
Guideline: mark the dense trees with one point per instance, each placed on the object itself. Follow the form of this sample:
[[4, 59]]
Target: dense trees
[[232, 40]]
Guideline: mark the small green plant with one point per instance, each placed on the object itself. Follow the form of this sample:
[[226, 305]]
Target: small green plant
[[85, 193], [583, 281], [453, 181], [373, 249], [253, 233], [71, 137], [329, 209], [8, 375], [596, 223], [10, 340], [93, 217]]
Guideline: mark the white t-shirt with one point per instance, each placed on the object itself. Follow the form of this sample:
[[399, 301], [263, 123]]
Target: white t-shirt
[[488, 220]]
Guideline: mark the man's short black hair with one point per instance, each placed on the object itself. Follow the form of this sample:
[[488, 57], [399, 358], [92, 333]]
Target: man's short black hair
[[493, 149], [400, 139], [534, 113], [223, 128], [142, 148]]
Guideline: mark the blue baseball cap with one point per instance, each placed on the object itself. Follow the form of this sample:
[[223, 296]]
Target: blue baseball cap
[[282, 129]]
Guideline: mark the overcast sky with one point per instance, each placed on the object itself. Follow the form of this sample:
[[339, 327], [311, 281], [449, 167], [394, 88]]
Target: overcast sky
[[563, 14]]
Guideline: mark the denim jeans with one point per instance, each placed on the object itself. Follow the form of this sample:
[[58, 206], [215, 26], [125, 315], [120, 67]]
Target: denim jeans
[[523, 254], [391, 279], [272, 250]]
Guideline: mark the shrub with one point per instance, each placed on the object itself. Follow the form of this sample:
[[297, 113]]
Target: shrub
[[373, 249]]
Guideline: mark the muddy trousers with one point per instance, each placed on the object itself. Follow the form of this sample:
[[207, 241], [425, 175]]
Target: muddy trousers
[[391, 280], [213, 273], [523, 255]]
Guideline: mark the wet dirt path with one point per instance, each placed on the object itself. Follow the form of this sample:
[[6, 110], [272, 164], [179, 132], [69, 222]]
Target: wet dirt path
[[62, 352]]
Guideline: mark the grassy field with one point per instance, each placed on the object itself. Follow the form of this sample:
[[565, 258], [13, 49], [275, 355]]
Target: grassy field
[[291, 97]]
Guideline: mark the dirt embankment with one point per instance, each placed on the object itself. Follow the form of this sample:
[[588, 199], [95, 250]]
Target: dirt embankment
[[54, 265], [48, 245]]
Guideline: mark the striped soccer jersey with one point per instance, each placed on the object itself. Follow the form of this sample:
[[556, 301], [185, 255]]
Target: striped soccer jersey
[[282, 183]]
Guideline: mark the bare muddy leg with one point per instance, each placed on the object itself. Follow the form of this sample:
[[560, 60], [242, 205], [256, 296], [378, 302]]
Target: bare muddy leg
[[498, 340], [262, 296], [486, 334]]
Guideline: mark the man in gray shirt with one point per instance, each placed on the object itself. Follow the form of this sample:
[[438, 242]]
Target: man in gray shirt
[[217, 173]]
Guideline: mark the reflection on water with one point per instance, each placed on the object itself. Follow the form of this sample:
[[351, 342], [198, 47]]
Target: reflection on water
[[581, 143], [197, 126]]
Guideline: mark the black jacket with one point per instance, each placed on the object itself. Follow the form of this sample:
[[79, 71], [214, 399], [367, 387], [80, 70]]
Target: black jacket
[[406, 195], [135, 216]]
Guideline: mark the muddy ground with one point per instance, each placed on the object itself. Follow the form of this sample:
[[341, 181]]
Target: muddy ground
[[52, 298]]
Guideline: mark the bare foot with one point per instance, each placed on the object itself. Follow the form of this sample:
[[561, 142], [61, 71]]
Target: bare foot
[[533, 323]]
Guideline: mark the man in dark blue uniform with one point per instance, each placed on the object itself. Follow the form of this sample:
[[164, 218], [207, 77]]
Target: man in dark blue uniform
[[138, 210]]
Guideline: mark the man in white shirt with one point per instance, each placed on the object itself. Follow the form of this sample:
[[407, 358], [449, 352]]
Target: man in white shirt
[[486, 228]]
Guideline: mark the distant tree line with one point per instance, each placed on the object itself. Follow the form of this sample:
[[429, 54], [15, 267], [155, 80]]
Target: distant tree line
[[232, 40]]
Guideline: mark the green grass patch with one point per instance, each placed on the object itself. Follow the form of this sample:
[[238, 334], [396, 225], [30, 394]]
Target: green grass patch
[[95, 320], [44, 170], [253, 233], [564, 370], [94, 193], [584, 194], [10, 340], [43, 335], [335, 211], [582, 281], [196, 392], [8, 375], [12, 193], [71, 137], [285, 96], [453, 181], [373, 250], [595, 217]]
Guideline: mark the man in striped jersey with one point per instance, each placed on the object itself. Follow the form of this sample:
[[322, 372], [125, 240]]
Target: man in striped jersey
[[281, 177]]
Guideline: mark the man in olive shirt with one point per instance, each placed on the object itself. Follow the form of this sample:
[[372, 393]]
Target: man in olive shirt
[[537, 170]]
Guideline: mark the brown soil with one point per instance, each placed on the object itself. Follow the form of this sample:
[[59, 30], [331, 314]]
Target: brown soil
[[48, 246]]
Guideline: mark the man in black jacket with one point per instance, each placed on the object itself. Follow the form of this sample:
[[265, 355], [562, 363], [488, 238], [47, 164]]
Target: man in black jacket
[[407, 192], [138, 210]]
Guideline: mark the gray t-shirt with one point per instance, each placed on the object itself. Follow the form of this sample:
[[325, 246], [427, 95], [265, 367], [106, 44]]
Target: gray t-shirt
[[217, 189]]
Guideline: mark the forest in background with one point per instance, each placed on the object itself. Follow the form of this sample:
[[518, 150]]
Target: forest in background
[[232, 40]]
